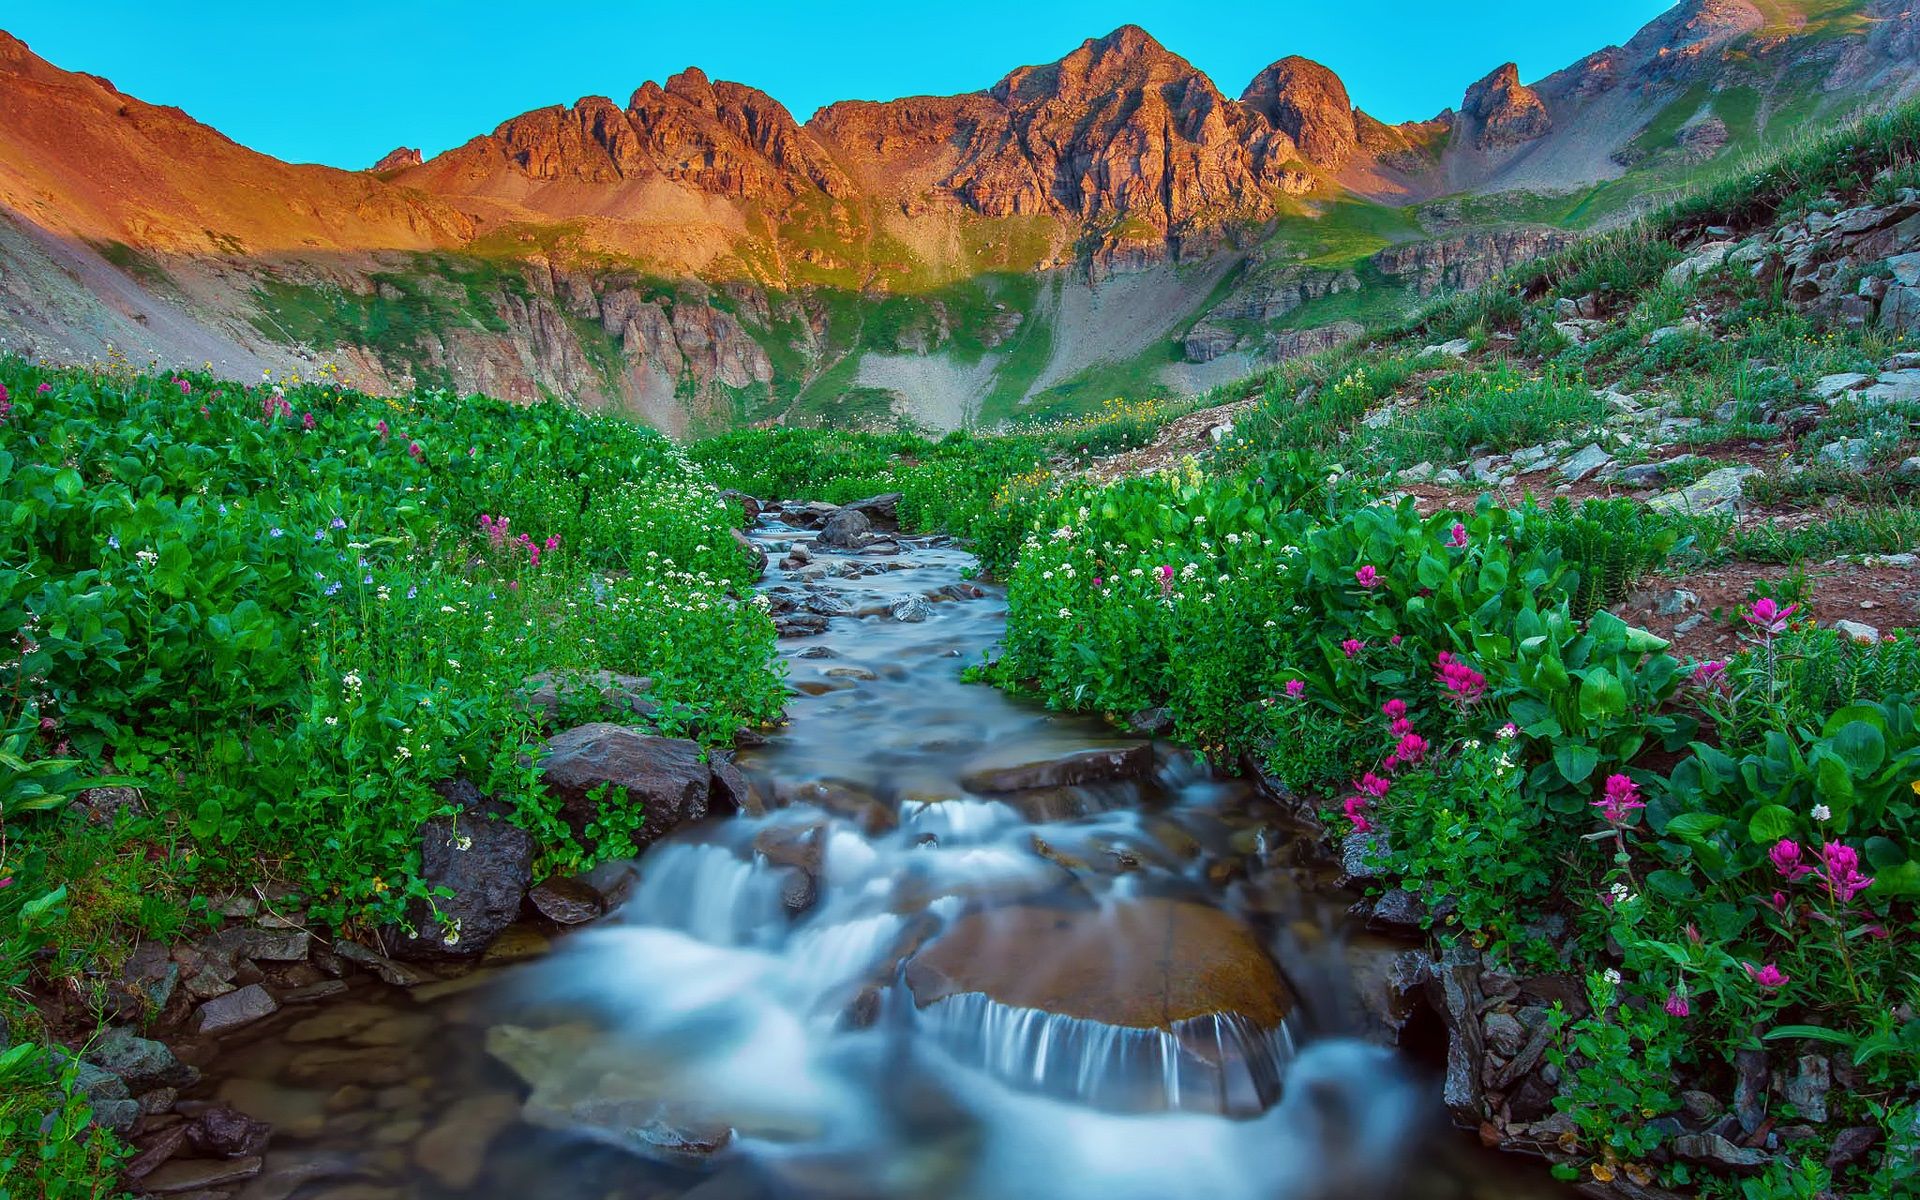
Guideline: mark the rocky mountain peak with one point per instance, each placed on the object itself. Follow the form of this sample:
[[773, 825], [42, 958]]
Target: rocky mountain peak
[[399, 158], [1309, 104], [1505, 111]]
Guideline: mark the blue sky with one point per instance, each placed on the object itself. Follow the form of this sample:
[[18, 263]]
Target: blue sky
[[345, 82]]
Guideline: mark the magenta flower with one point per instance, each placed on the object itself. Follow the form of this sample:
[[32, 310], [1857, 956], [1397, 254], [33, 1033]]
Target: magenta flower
[[1466, 684], [1372, 785], [553, 541], [1677, 1004], [1411, 750], [1394, 640], [1769, 618], [186, 389], [45, 389], [1401, 727], [1618, 798], [1394, 709], [1096, 581], [1781, 903], [1165, 571], [1355, 808], [1843, 871], [382, 427], [306, 422], [1785, 856], [1295, 688], [1458, 538], [1353, 647], [1770, 977], [419, 455], [1711, 673], [1367, 577]]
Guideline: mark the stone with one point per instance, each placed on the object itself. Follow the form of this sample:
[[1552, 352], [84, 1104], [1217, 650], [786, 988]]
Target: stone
[[1363, 856], [1829, 386], [1807, 1088], [1455, 992], [1016, 772], [882, 511], [146, 983], [1674, 601], [483, 861], [192, 1175], [593, 765], [730, 790], [455, 1149], [1905, 269], [846, 529], [140, 1062], [1457, 348], [1892, 387], [567, 901], [1712, 1150], [1584, 463], [1909, 468], [235, 1009], [384, 968], [1856, 631], [223, 1132], [1851, 454], [1717, 491], [1504, 1034], [1420, 472], [1710, 257], [910, 609], [1751, 1078], [1397, 911], [1851, 1145], [554, 696]]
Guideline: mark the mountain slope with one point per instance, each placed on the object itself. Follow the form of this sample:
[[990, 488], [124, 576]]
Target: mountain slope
[[1112, 221]]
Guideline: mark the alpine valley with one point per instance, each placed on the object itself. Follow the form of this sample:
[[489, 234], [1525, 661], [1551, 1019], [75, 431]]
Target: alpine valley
[[1109, 224]]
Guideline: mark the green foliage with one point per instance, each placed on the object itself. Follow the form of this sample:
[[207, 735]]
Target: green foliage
[[1611, 544], [48, 1149], [1617, 1063]]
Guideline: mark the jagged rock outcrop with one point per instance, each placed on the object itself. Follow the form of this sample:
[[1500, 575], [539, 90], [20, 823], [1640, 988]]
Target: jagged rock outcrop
[[398, 159], [1505, 112], [1466, 262], [1268, 295], [1309, 104]]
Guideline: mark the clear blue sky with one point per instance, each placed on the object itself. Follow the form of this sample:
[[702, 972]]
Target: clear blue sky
[[344, 82]]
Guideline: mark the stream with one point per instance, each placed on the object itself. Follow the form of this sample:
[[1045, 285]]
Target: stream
[[971, 950]]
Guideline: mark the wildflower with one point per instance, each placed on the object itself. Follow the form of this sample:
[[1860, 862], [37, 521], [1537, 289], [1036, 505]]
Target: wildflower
[[413, 448], [333, 589], [1769, 977], [306, 421], [1295, 688], [113, 541], [1619, 797], [1711, 673], [147, 557], [1508, 732], [1843, 871], [1400, 727], [1368, 577], [1353, 647], [1768, 617], [276, 531], [1096, 581], [1458, 538], [1611, 976], [381, 427], [1411, 750], [351, 681], [45, 389], [6, 403], [1372, 785], [186, 388], [1467, 684], [1676, 1005], [1785, 857], [1821, 812], [1394, 709], [1394, 640], [1354, 810], [337, 523], [1780, 903]]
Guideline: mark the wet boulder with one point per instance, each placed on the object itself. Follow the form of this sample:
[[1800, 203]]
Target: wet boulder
[[484, 861], [1178, 985], [592, 765], [1019, 770], [883, 511], [566, 901], [847, 529], [140, 1062]]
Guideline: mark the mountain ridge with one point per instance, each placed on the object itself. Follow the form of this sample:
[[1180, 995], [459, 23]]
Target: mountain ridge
[[594, 250]]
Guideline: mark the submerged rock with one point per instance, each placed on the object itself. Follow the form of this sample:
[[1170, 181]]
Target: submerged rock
[[1012, 773]]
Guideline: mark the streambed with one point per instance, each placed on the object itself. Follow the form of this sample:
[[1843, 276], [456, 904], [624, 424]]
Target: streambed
[[966, 949]]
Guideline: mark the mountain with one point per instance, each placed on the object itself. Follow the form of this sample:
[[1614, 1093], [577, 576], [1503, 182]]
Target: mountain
[[1106, 223]]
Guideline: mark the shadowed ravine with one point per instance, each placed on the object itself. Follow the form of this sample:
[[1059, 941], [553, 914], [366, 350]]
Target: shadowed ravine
[[971, 949]]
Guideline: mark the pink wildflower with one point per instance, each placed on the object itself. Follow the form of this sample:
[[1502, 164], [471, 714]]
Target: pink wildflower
[[1709, 674], [1394, 640], [306, 422], [381, 426], [553, 541], [419, 455], [1619, 797], [1677, 1004], [1412, 749], [1096, 581], [1368, 577], [1458, 538], [1769, 977], [1354, 808], [1295, 688], [1372, 785], [1353, 647], [1401, 727], [1843, 871], [1394, 709], [186, 389], [1165, 571], [1769, 618], [1785, 857], [1466, 684], [45, 389]]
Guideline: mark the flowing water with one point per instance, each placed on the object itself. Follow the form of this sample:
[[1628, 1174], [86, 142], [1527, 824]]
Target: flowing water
[[941, 965]]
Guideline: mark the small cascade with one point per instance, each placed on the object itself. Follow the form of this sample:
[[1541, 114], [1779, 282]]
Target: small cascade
[[1220, 1063], [709, 892]]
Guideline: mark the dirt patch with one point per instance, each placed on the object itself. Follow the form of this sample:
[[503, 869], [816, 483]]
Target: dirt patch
[[1884, 597], [1188, 435]]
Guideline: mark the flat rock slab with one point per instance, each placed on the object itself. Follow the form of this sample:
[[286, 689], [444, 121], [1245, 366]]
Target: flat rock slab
[[235, 1009], [1071, 768], [192, 1174]]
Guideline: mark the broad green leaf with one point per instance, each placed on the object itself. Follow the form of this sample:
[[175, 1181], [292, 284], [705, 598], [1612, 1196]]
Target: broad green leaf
[[1770, 823], [1575, 761]]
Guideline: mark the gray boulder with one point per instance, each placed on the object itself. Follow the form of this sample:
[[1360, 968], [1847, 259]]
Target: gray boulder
[[847, 529], [664, 777], [484, 861]]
